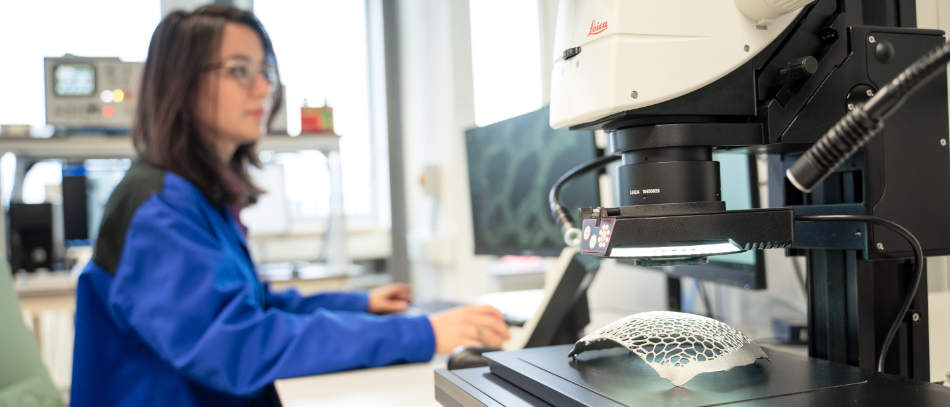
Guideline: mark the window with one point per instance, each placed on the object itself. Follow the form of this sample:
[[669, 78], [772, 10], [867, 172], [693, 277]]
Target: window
[[297, 196], [321, 49], [41, 175], [506, 64], [32, 30]]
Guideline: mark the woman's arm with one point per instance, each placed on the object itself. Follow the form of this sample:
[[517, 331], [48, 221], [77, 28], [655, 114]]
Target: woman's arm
[[290, 300], [188, 300]]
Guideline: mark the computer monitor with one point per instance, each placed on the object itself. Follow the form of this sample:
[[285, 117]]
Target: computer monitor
[[86, 189], [31, 236], [512, 165], [740, 190], [75, 204]]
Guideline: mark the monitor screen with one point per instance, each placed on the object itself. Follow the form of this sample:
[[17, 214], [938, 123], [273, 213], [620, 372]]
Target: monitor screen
[[86, 189], [74, 80], [512, 165], [740, 190], [737, 187], [102, 176], [75, 204]]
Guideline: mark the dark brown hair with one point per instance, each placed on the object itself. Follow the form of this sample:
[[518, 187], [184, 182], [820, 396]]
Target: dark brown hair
[[165, 130]]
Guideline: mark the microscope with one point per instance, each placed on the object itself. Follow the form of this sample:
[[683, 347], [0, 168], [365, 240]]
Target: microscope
[[681, 79], [846, 99]]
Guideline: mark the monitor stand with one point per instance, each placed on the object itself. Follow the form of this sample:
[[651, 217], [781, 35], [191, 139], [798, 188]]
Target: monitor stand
[[563, 312]]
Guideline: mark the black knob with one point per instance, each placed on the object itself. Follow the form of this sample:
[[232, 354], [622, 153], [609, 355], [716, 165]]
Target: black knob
[[799, 68], [884, 51]]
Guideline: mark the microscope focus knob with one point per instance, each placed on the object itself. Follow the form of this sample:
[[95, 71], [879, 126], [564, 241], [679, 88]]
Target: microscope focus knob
[[799, 68], [761, 11]]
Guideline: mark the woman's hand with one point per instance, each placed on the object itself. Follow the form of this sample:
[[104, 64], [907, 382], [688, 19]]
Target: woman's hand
[[479, 325], [390, 298]]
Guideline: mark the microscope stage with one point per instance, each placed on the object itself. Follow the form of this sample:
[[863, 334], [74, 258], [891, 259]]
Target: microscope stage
[[616, 377]]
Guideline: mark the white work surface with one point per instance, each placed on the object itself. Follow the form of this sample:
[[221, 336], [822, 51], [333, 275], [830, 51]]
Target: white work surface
[[399, 385]]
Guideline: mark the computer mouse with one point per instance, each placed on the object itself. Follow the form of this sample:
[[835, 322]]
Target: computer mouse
[[468, 357]]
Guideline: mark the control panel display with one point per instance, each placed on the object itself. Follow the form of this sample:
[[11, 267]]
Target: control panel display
[[96, 94], [74, 80]]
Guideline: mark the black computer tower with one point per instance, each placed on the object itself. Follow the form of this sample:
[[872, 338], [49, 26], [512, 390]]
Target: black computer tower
[[31, 236]]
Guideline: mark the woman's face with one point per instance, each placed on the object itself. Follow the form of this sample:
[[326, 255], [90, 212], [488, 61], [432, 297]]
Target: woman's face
[[235, 96]]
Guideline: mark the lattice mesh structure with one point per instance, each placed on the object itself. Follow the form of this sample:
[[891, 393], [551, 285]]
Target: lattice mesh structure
[[678, 346]]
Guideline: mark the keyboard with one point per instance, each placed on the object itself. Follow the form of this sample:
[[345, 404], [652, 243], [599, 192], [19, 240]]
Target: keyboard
[[435, 306]]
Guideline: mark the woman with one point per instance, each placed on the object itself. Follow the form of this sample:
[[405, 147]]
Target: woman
[[170, 311]]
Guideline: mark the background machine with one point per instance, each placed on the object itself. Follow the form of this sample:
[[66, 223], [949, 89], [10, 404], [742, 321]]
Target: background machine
[[91, 94], [673, 81]]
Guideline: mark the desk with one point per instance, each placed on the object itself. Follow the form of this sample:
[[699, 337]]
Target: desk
[[400, 385], [47, 291], [54, 291]]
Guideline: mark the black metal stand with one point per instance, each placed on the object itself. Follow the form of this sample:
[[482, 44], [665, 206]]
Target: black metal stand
[[851, 305], [854, 288], [674, 295]]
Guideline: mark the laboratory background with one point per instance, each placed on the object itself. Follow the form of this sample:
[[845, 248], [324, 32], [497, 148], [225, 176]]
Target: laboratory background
[[427, 142]]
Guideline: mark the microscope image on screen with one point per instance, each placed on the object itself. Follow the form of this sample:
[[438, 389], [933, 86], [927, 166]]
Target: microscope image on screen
[[512, 165]]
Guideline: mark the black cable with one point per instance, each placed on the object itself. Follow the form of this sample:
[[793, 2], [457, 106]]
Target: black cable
[[918, 259], [863, 122], [701, 290], [800, 276], [560, 214]]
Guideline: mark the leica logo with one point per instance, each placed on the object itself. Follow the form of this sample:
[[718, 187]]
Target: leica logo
[[597, 27]]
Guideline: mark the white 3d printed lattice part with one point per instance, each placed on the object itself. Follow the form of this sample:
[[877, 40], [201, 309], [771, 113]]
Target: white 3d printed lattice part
[[678, 346]]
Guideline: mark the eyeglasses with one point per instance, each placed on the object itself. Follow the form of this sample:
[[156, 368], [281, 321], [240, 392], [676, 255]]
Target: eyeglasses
[[245, 72]]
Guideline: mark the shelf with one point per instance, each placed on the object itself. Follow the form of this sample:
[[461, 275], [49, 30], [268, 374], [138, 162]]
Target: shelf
[[98, 146], [73, 147], [307, 141]]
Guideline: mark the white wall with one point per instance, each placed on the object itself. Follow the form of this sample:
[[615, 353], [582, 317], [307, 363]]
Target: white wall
[[171, 5], [938, 289], [437, 106]]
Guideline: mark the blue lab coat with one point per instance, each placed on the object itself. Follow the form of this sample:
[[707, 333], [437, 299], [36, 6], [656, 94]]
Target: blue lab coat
[[170, 310]]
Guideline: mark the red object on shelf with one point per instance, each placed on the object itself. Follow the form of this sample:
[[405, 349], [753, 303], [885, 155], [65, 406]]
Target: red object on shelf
[[316, 119]]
